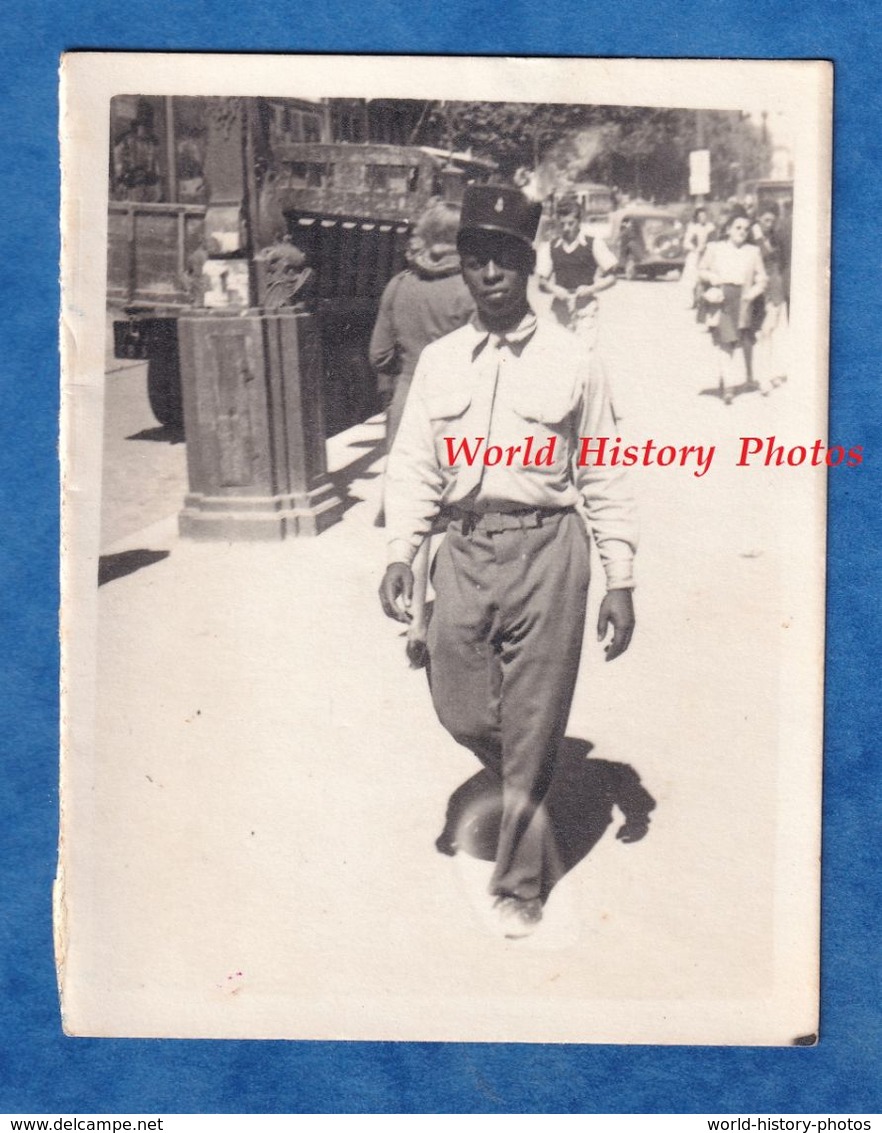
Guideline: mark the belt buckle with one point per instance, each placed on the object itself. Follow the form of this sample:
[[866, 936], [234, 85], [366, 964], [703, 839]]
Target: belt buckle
[[510, 521], [488, 522], [527, 520], [493, 523]]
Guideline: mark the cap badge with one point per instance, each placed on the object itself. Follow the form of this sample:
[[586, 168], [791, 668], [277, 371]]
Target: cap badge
[[500, 204]]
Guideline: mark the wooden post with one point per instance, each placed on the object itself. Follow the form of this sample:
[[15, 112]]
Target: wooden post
[[171, 157]]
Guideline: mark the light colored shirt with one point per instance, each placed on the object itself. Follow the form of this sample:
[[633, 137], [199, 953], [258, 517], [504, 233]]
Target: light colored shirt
[[522, 390], [697, 235], [724, 262]]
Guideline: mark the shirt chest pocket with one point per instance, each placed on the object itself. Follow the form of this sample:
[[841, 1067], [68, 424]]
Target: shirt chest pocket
[[449, 405], [547, 407], [447, 411]]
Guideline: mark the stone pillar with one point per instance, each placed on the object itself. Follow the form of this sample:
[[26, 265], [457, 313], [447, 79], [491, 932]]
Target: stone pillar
[[251, 377], [255, 435]]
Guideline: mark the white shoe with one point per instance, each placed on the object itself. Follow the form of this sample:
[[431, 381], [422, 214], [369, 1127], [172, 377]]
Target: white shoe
[[517, 917]]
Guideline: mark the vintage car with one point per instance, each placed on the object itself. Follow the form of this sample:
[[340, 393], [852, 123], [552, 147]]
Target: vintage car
[[648, 241]]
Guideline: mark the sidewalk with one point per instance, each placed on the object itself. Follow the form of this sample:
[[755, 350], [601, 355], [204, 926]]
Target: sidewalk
[[252, 839], [270, 779]]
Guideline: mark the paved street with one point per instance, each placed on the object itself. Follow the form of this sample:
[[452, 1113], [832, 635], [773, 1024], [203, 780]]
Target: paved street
[[145, 469], [257, 812]]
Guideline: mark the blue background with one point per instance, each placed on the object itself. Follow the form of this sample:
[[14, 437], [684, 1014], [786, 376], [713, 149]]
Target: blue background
[[40, 1069]]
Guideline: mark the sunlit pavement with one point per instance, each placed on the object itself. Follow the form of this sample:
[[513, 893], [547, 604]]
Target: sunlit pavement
[[255, 818]]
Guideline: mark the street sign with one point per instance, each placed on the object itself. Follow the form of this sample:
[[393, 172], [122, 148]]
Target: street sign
[[699, 172]]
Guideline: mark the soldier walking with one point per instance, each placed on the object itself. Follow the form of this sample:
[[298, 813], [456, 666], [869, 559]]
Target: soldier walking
[[511, 577]]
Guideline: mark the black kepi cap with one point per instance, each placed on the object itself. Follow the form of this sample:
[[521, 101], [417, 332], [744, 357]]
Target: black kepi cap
[[496, 208]]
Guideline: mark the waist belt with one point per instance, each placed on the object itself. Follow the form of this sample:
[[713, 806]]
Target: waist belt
[[492, 522], [573, 290]]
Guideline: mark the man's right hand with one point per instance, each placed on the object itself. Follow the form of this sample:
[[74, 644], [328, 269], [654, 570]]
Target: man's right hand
[[396, 592]]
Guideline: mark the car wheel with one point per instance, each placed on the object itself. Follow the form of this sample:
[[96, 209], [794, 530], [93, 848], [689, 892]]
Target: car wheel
[[164, 381]]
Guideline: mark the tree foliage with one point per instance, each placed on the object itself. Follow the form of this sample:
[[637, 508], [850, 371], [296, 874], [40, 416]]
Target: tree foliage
[[642, 150]]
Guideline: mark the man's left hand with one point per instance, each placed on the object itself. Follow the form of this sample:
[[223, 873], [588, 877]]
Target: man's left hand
[[616, 610], [396, 592]]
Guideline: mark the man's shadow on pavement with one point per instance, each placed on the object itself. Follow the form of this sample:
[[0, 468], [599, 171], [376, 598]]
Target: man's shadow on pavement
[[579, 807]]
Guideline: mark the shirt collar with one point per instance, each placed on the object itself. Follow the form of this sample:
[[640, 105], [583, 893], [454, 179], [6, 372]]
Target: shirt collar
[[580, 242], [515, 339]]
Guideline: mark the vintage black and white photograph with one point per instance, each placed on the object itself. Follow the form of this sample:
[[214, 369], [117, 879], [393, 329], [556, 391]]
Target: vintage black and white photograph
[[445, 454]]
